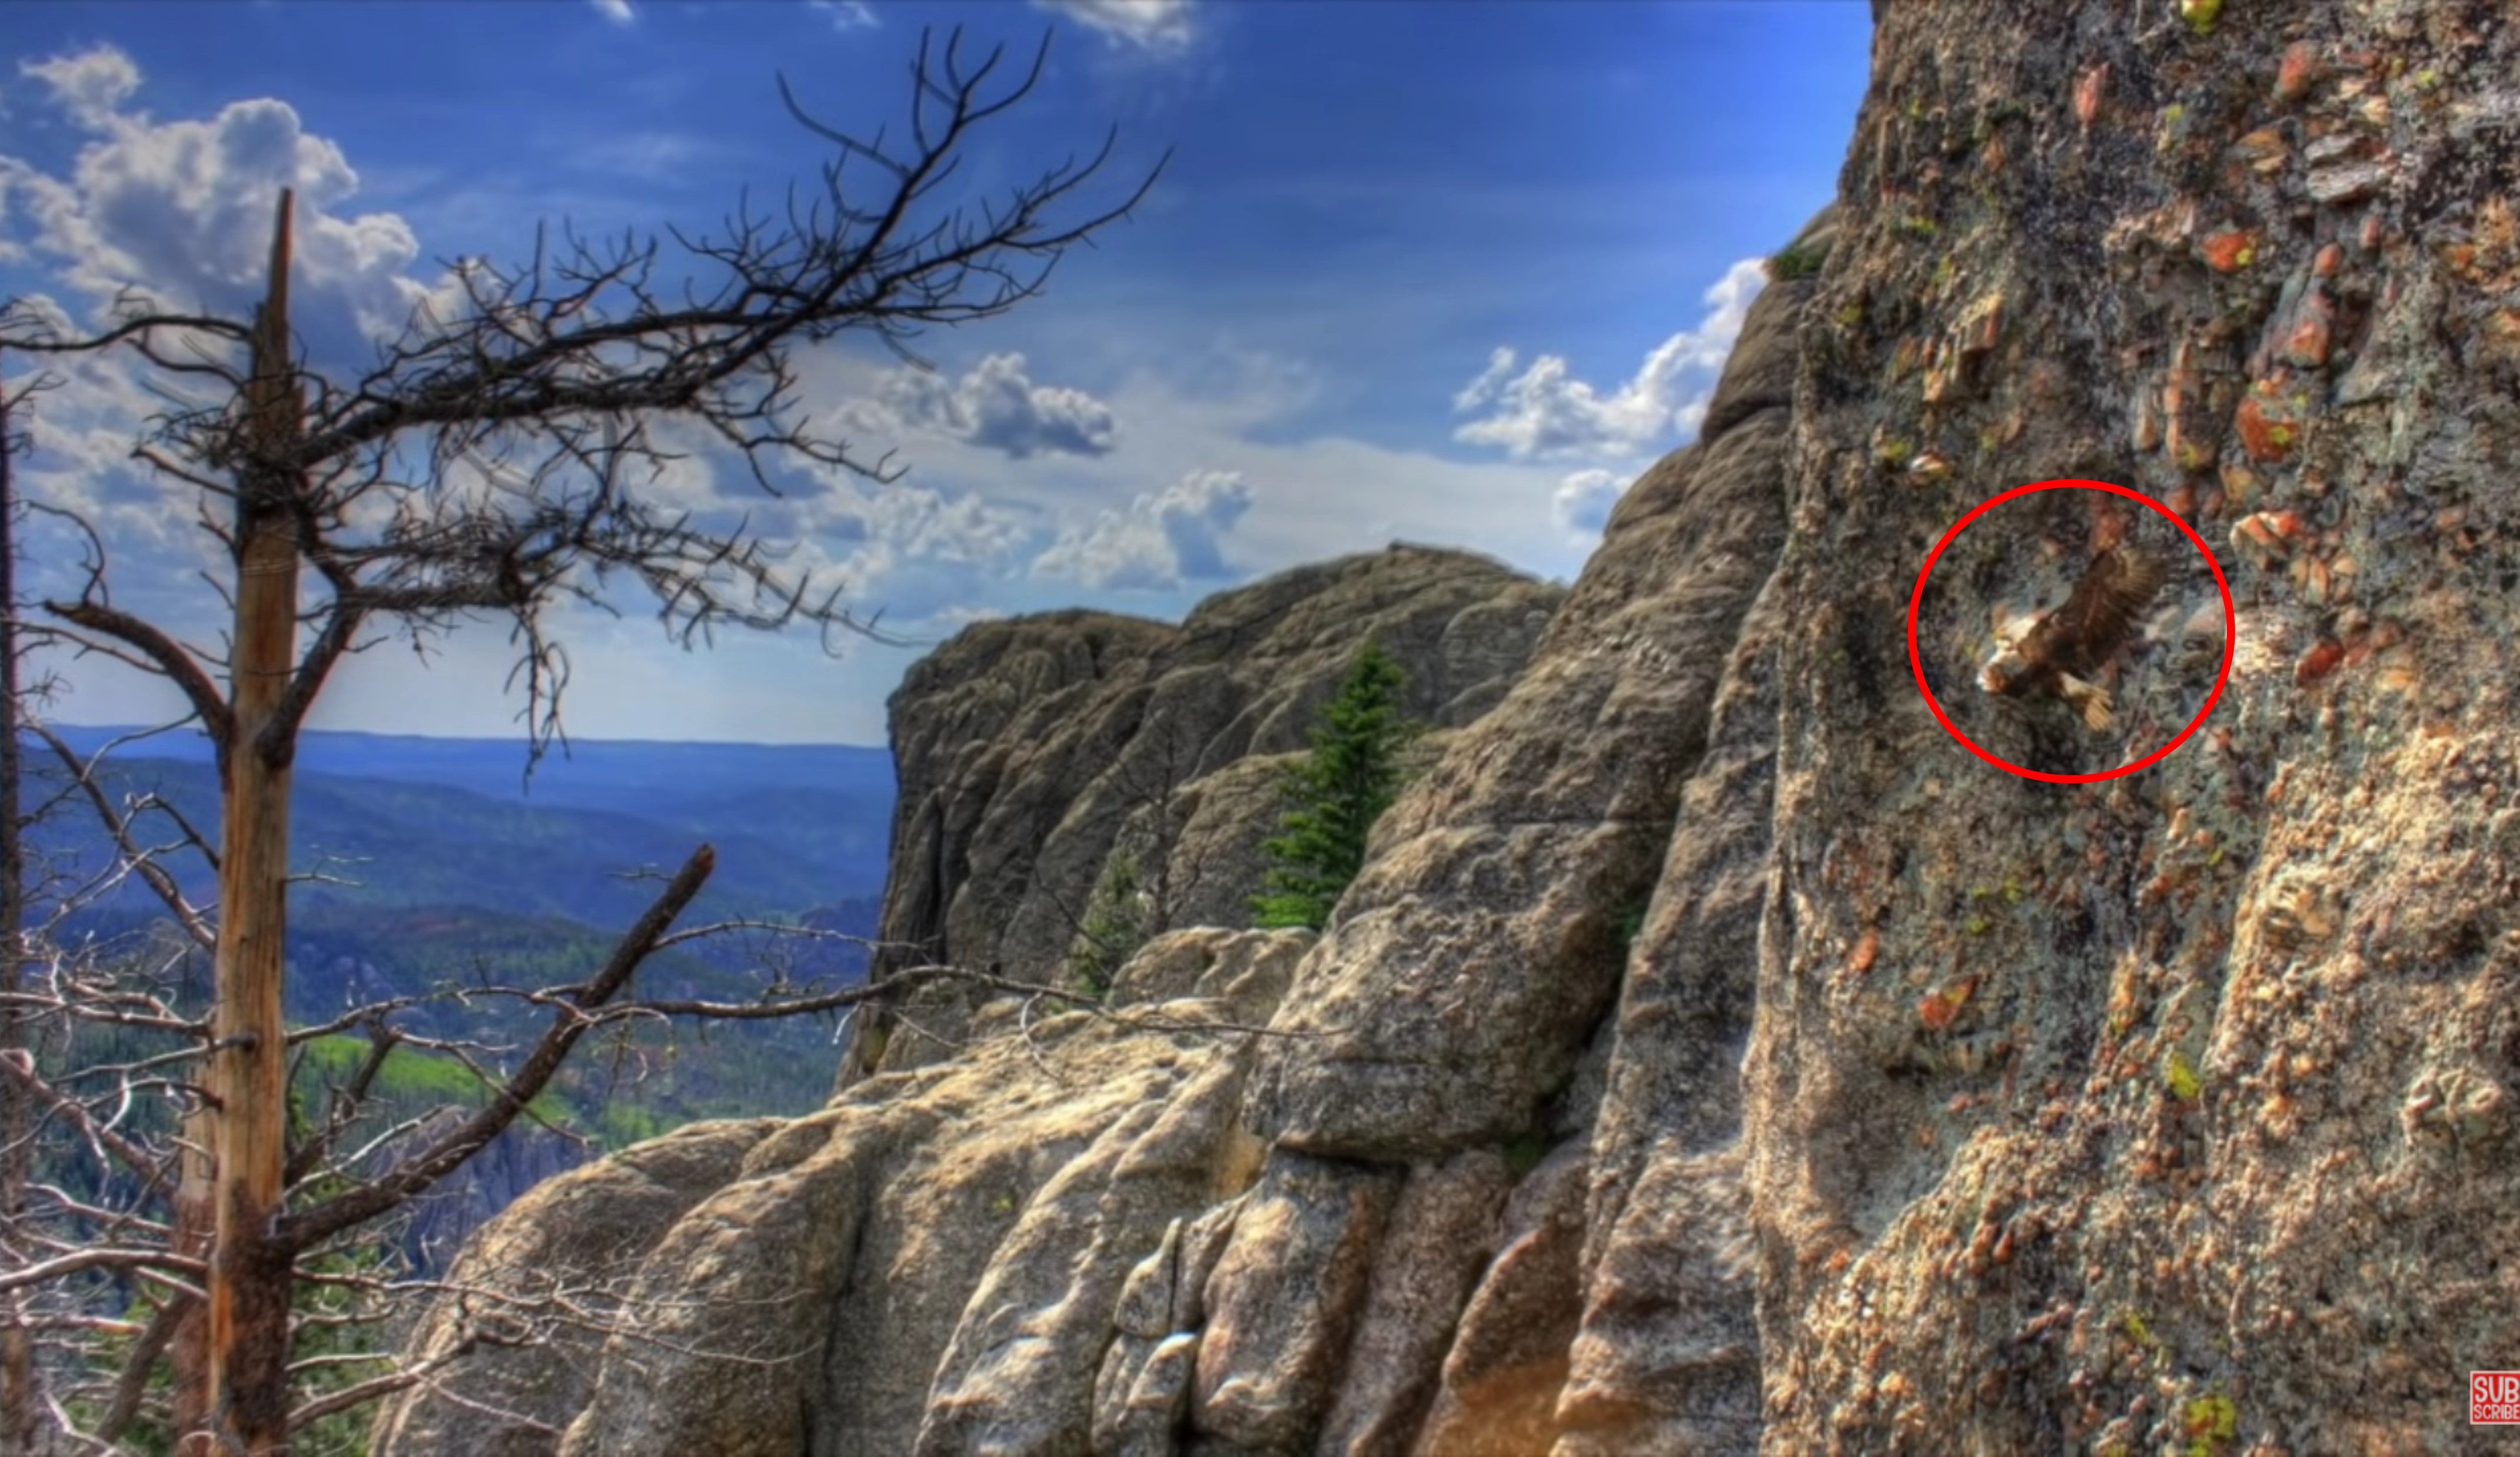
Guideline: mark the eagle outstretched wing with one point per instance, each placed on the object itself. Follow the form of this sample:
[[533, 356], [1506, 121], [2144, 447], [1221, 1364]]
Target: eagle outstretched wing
[[2100, 615]]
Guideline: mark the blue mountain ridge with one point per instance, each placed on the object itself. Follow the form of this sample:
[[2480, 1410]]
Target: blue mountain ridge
[[454, 825]]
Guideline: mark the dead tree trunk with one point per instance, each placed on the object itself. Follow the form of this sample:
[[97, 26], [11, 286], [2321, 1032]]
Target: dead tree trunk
[[249, 1269]]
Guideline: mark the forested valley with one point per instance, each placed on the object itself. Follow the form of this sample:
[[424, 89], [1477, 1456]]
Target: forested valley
[[433, 867]]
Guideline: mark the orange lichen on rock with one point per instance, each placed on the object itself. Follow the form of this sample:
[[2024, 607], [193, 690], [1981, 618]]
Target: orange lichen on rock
[[1942, 1008], [2229, 253], [2266, 430]]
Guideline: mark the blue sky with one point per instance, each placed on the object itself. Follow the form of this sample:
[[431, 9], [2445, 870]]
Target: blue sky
[[1445, 272]]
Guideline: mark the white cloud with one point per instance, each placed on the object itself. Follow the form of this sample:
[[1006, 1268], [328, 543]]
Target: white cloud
[[91, 85], [1162, 540], [1148, 25], [847, 15], [911, 550], [996, 406], [904, 522], [182, 210], [1484, 388], [1545, 414], [1583, 500], [618, 11], [79, 439]]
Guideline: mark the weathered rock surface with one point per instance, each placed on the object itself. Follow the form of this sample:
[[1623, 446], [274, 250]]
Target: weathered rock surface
[[2121, 1117], [1026, 746], [933, 1264], [1507, 1360], [1440, 1236], [1715, 1055], [1467, 965], [568, 1247], [1283, 1301]]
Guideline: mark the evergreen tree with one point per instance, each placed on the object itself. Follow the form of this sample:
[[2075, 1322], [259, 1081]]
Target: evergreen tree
[[1334, 796]]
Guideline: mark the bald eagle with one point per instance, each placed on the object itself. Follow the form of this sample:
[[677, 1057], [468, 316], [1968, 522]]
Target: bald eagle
[[2059, 651]]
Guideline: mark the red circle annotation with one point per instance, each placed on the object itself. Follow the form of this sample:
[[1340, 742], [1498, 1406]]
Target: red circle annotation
[[2230, 630]]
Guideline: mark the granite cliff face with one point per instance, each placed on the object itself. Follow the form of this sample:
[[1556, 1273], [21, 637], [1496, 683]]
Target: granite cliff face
[[1715, 1055], [1028, 750], [2175, 1109]]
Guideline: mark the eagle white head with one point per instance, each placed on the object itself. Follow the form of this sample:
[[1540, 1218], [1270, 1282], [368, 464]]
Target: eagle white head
[[2001, 668], [2005, 666]]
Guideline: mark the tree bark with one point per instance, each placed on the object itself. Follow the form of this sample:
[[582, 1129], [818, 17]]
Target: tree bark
[[249, 1269]]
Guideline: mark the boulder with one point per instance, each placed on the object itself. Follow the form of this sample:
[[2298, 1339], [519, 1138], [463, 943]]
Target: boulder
[[516, 1361], [1030, 749]]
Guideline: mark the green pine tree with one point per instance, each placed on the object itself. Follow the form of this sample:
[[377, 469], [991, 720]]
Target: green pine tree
[[1335, 794]]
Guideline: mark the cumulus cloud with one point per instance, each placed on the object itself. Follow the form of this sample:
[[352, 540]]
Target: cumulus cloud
[[618, 11], [79, 460], [1544, 413], [1491, 381], [1161, 540], [1147, 25], [917, 555], [996, 406], [896, 522], [182, 210], [1583, 500]]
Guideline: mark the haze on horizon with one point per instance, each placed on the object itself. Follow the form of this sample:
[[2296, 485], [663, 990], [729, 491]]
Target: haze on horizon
[[1444, 273]]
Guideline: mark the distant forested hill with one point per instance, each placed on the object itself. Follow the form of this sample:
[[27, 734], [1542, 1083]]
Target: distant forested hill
[[794, 824], [442, 864], [445, 839]]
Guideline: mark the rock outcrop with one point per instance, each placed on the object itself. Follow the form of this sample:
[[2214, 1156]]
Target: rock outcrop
[[516, 1358], [932, 1264], [1023, 746], [1030, 749], [1715, 1055], [2173, 1109]]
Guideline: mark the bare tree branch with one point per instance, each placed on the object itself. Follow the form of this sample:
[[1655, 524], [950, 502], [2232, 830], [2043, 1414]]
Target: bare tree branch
[[167, 655], [352, 1398], [134, 1158], [299, 1230], [82, 773], [98, 1258]]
